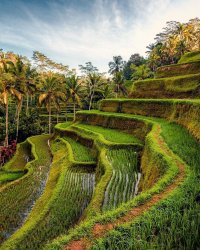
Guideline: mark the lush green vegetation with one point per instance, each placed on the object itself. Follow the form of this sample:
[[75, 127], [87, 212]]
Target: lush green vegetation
[[67, 193], [110, 134], [174, 222], [9, 176], [169, 175], [173, 110], [80, 152], [125, 176], [171, 86], [190, 57], [19, 196], [178, 69]]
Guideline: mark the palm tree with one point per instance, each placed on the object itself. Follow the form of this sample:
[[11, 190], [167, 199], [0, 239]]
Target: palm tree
[[52, 94], [17, 69], [29, 86], [93, 81], [140, 73], [73, 90], [118, 80], [116, 65], [8, 88]]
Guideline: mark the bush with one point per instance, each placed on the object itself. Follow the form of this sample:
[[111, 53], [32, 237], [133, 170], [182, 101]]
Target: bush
[[7, 152]]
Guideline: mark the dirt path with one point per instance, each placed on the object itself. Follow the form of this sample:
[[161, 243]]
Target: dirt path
[[100, 230]]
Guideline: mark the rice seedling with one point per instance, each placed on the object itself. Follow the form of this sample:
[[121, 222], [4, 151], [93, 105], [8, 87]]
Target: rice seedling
[[112, 135], [125, 176], [68, 192], [80, 152], [9, 176], [174, 223], [19, 196]]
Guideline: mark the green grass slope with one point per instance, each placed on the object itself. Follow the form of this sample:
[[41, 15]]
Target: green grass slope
[[186, 86], [67, 192], [16, 167], [184, 112], [178, 69], [163, 219], [190, 57], [19, 196]]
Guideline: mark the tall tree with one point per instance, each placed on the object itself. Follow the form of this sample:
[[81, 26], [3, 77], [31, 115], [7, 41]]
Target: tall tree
[[141, 72], [118, 80], [52, 94], [44, 63], [88, 68], [116, 65], [73, 91], [93, 82], [29, 86], [8, 88], [135, 59]]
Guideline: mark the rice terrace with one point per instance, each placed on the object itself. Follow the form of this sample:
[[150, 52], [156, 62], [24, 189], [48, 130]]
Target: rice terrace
[[93, 157]]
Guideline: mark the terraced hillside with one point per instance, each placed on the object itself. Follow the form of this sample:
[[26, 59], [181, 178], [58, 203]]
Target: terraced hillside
[[125, 176], [180, 80]]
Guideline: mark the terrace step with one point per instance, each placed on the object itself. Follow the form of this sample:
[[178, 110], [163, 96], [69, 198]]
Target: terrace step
[[178, 69], [184, 112], [16, 167], [20, 195], [81, 153], [111, 135], [68, 191], [186, 86], [100, 228]]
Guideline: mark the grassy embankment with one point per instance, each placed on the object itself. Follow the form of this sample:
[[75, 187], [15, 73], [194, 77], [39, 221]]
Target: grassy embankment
[[68, 191], [19, 196], [16, 167], [180, 80]]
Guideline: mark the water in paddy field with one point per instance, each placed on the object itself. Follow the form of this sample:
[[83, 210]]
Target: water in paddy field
[[125, 178]]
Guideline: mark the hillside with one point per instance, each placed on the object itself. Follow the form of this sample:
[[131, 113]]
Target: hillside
[[125, 176], [180, 80]]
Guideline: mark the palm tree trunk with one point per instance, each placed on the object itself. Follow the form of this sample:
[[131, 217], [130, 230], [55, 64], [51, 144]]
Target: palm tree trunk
[[18, 113], [6, 138], [66, 113], [50, 119], [27, 102], [91, 98], [57, 118], [74, 111]]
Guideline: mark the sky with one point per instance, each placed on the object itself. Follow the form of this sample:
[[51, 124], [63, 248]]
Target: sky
[[77, 31]]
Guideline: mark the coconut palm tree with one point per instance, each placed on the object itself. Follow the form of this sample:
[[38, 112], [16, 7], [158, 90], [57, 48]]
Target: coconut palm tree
[[93, 81], [140, 73], [52, 94], [118, 80], [8, 87], [116, 65], [73, 91], [17, 69], [29, 86]]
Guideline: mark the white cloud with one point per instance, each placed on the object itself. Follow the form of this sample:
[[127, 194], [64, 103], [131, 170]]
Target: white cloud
[[108, 30]]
